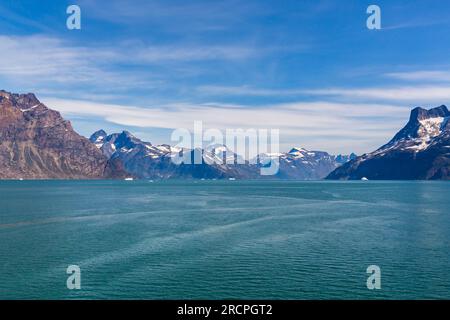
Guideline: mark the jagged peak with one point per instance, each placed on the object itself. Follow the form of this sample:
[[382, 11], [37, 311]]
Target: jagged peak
[[98, 134], [101, 132], [423, 125], [420, 113], [297, 150], [127, 133], [126, 139], [218, 148], [20, 98], [27, 96]]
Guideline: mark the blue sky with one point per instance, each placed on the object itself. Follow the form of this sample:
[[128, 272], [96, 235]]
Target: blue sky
[[309, 68]]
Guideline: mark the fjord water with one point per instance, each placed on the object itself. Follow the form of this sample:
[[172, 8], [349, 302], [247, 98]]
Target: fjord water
[[224, 239]]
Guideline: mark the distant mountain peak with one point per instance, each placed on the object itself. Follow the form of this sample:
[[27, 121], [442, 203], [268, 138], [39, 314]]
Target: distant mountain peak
[[98, 134], [101, 132], [127, 134], [297, 151], [98, 138], [126, 138]]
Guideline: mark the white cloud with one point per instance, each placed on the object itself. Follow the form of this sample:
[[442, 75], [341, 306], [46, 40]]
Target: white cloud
[[416, 24], [39, 59], [44, 62], [247, 91], [421, 75], [175, 16], [318, 125], [154, 54], [405, 95], [410, 94]]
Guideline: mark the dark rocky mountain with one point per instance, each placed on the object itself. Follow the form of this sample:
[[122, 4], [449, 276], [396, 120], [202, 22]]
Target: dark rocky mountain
[[37, 143], [420, 151], [146, 161]]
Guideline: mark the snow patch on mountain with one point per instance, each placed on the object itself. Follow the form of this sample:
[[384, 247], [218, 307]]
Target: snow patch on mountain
[[31, 108]]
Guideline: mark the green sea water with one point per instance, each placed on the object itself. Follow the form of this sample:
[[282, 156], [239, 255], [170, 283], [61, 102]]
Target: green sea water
[[224, 239]]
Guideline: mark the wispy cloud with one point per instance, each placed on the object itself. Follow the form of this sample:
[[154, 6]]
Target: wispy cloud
[[42, 55], [45, 63], [39, 58], [15, 21], [423, 75], [312, 125], [175, 16], [415, 24], [409, 94], [418, 94], [153, 54], [247, 91]]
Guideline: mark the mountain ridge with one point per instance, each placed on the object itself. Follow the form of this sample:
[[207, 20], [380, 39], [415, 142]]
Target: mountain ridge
[[147, 161]]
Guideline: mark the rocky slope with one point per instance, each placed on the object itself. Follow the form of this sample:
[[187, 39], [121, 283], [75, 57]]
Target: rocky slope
[[37, 143], [420, 151]]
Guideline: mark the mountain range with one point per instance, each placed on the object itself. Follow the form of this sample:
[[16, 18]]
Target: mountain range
[[37, 143], [146, 161]]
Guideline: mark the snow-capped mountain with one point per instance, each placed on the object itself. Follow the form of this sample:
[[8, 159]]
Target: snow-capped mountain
[[221, 154], [421, 150], [139, 158], [302, 164], [147, 161], [144, 160], [126, 144]]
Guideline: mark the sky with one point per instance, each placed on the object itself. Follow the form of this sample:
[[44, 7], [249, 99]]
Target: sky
[[310, 68]]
